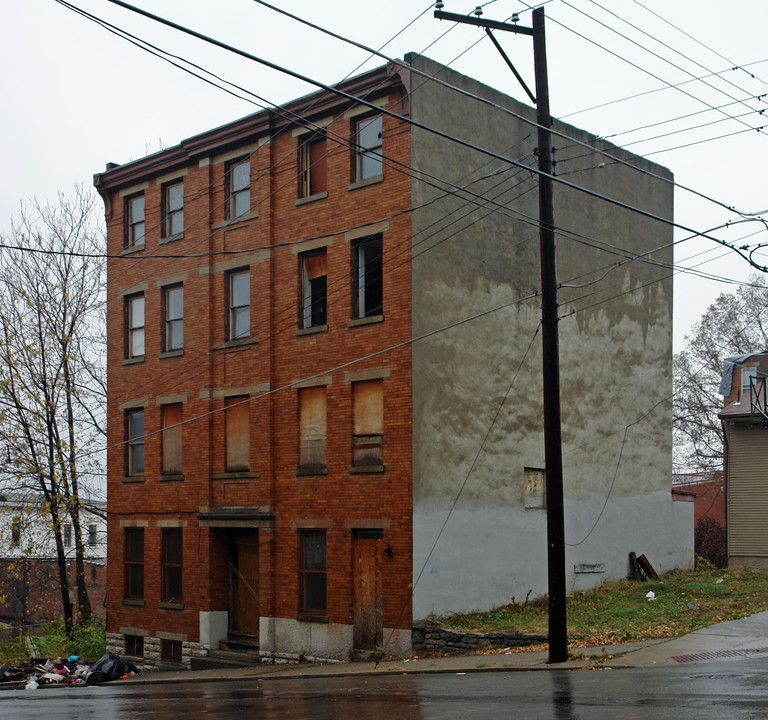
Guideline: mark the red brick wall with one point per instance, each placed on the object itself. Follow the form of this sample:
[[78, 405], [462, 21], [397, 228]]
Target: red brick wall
[[277, 358]]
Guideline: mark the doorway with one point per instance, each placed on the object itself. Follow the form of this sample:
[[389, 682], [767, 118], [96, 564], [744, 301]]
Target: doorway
[[244, 585], [367, 622]]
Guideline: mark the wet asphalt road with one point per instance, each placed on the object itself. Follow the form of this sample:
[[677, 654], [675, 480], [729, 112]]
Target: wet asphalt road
[[732, 689]]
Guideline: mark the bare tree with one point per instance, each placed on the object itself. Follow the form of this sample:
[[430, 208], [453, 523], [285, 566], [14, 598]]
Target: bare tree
[[735, 324], [52, 352]]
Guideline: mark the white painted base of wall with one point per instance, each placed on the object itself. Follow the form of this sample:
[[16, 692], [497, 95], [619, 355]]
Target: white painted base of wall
[[214, 627], [490, 556], [286, 640]]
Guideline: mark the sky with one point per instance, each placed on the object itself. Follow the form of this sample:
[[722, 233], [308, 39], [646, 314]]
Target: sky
[[678, 82]]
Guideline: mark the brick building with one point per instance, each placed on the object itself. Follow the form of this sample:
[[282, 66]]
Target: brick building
[[314, 313]]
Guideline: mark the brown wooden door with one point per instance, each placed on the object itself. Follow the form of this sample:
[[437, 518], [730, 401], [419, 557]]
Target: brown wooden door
[[245, 611], [368, 629]]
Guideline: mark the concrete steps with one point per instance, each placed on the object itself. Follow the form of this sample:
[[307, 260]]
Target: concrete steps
[[231, 654]]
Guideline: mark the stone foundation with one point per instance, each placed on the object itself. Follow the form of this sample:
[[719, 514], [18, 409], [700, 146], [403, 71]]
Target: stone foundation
[[433, 638], [151, 659]]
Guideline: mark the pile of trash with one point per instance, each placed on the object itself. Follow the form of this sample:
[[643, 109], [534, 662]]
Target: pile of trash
[[72, 671]]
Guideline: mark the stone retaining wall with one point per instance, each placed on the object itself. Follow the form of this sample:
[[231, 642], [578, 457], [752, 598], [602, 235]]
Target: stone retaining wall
[[433, 638]]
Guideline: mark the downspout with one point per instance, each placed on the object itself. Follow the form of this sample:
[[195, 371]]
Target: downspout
[[727, 503]]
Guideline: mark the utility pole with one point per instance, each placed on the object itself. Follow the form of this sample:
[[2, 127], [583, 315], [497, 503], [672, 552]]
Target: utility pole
[[553, 460]]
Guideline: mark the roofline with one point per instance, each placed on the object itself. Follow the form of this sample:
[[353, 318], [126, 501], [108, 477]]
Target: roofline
[[371, 84]]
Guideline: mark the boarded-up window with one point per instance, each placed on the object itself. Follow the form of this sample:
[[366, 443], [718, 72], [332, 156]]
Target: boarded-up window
[[172, 564], [313, 288], [238, 433], [312, 429], [171, 651], [313, 166], [172, 455], [134, 563], [368, 423], [313, 571]]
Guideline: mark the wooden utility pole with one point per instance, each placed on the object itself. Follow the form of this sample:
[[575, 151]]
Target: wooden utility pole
[[558, 629]]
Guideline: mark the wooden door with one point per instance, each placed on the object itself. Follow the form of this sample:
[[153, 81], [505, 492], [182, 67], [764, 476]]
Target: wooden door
[[245, 598], [368, 628]]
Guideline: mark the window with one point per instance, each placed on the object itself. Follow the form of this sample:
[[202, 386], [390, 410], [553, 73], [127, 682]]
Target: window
[[173, 214], [134, 309], [312, 572], [367, 280], [238, 441], [368, 141], [15, 531], [135, 219], [238, 188], [746, 374], [67, 535], [134, 563], [171, 418], [368, 421], [312, 430], [134, 645], [239, 287], [135, 427], [173, 309], [91, 536], [313, 166], [172, 565], [313, 289], [170, 651]]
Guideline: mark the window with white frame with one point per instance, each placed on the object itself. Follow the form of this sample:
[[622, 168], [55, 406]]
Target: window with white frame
[[135, 221], [173, 209], [134, 311], [239, 301], [173, 308], [135, 442], [238, 188]]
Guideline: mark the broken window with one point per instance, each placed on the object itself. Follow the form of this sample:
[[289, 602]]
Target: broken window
[[367, 279], [312, 572], [238, 440], [313, 166], [312, 429], [134, 563], [368, 423], [368, 147], [171, 418], [313, 288], [172, 564]]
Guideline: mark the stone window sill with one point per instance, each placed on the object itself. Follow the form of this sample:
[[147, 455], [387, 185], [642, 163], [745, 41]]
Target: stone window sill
[[133, 479], [235, 221], [170, 354], [170, 478], [365, 183], [133, 603], [235, 475], [171, 606], [132, 249], [305, 472], [312, 330], [171, 238], [242, 342], [133, 361], [311, 617], [311, 198], [370, 320], [362, 469]]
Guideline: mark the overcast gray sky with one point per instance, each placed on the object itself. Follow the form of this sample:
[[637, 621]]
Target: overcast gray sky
[[76, 96]]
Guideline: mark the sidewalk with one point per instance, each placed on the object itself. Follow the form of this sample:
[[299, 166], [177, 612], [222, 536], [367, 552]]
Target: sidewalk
[[734, 639]]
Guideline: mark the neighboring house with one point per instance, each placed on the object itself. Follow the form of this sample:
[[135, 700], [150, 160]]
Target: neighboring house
[[745, 429], [708, 489], [30, 590], [315, 314]]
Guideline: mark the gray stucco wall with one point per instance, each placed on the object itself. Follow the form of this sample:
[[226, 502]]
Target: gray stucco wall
[[471, 256]]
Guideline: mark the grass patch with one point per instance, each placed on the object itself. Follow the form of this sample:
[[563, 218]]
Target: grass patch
[[620, 612], [88, 641]]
